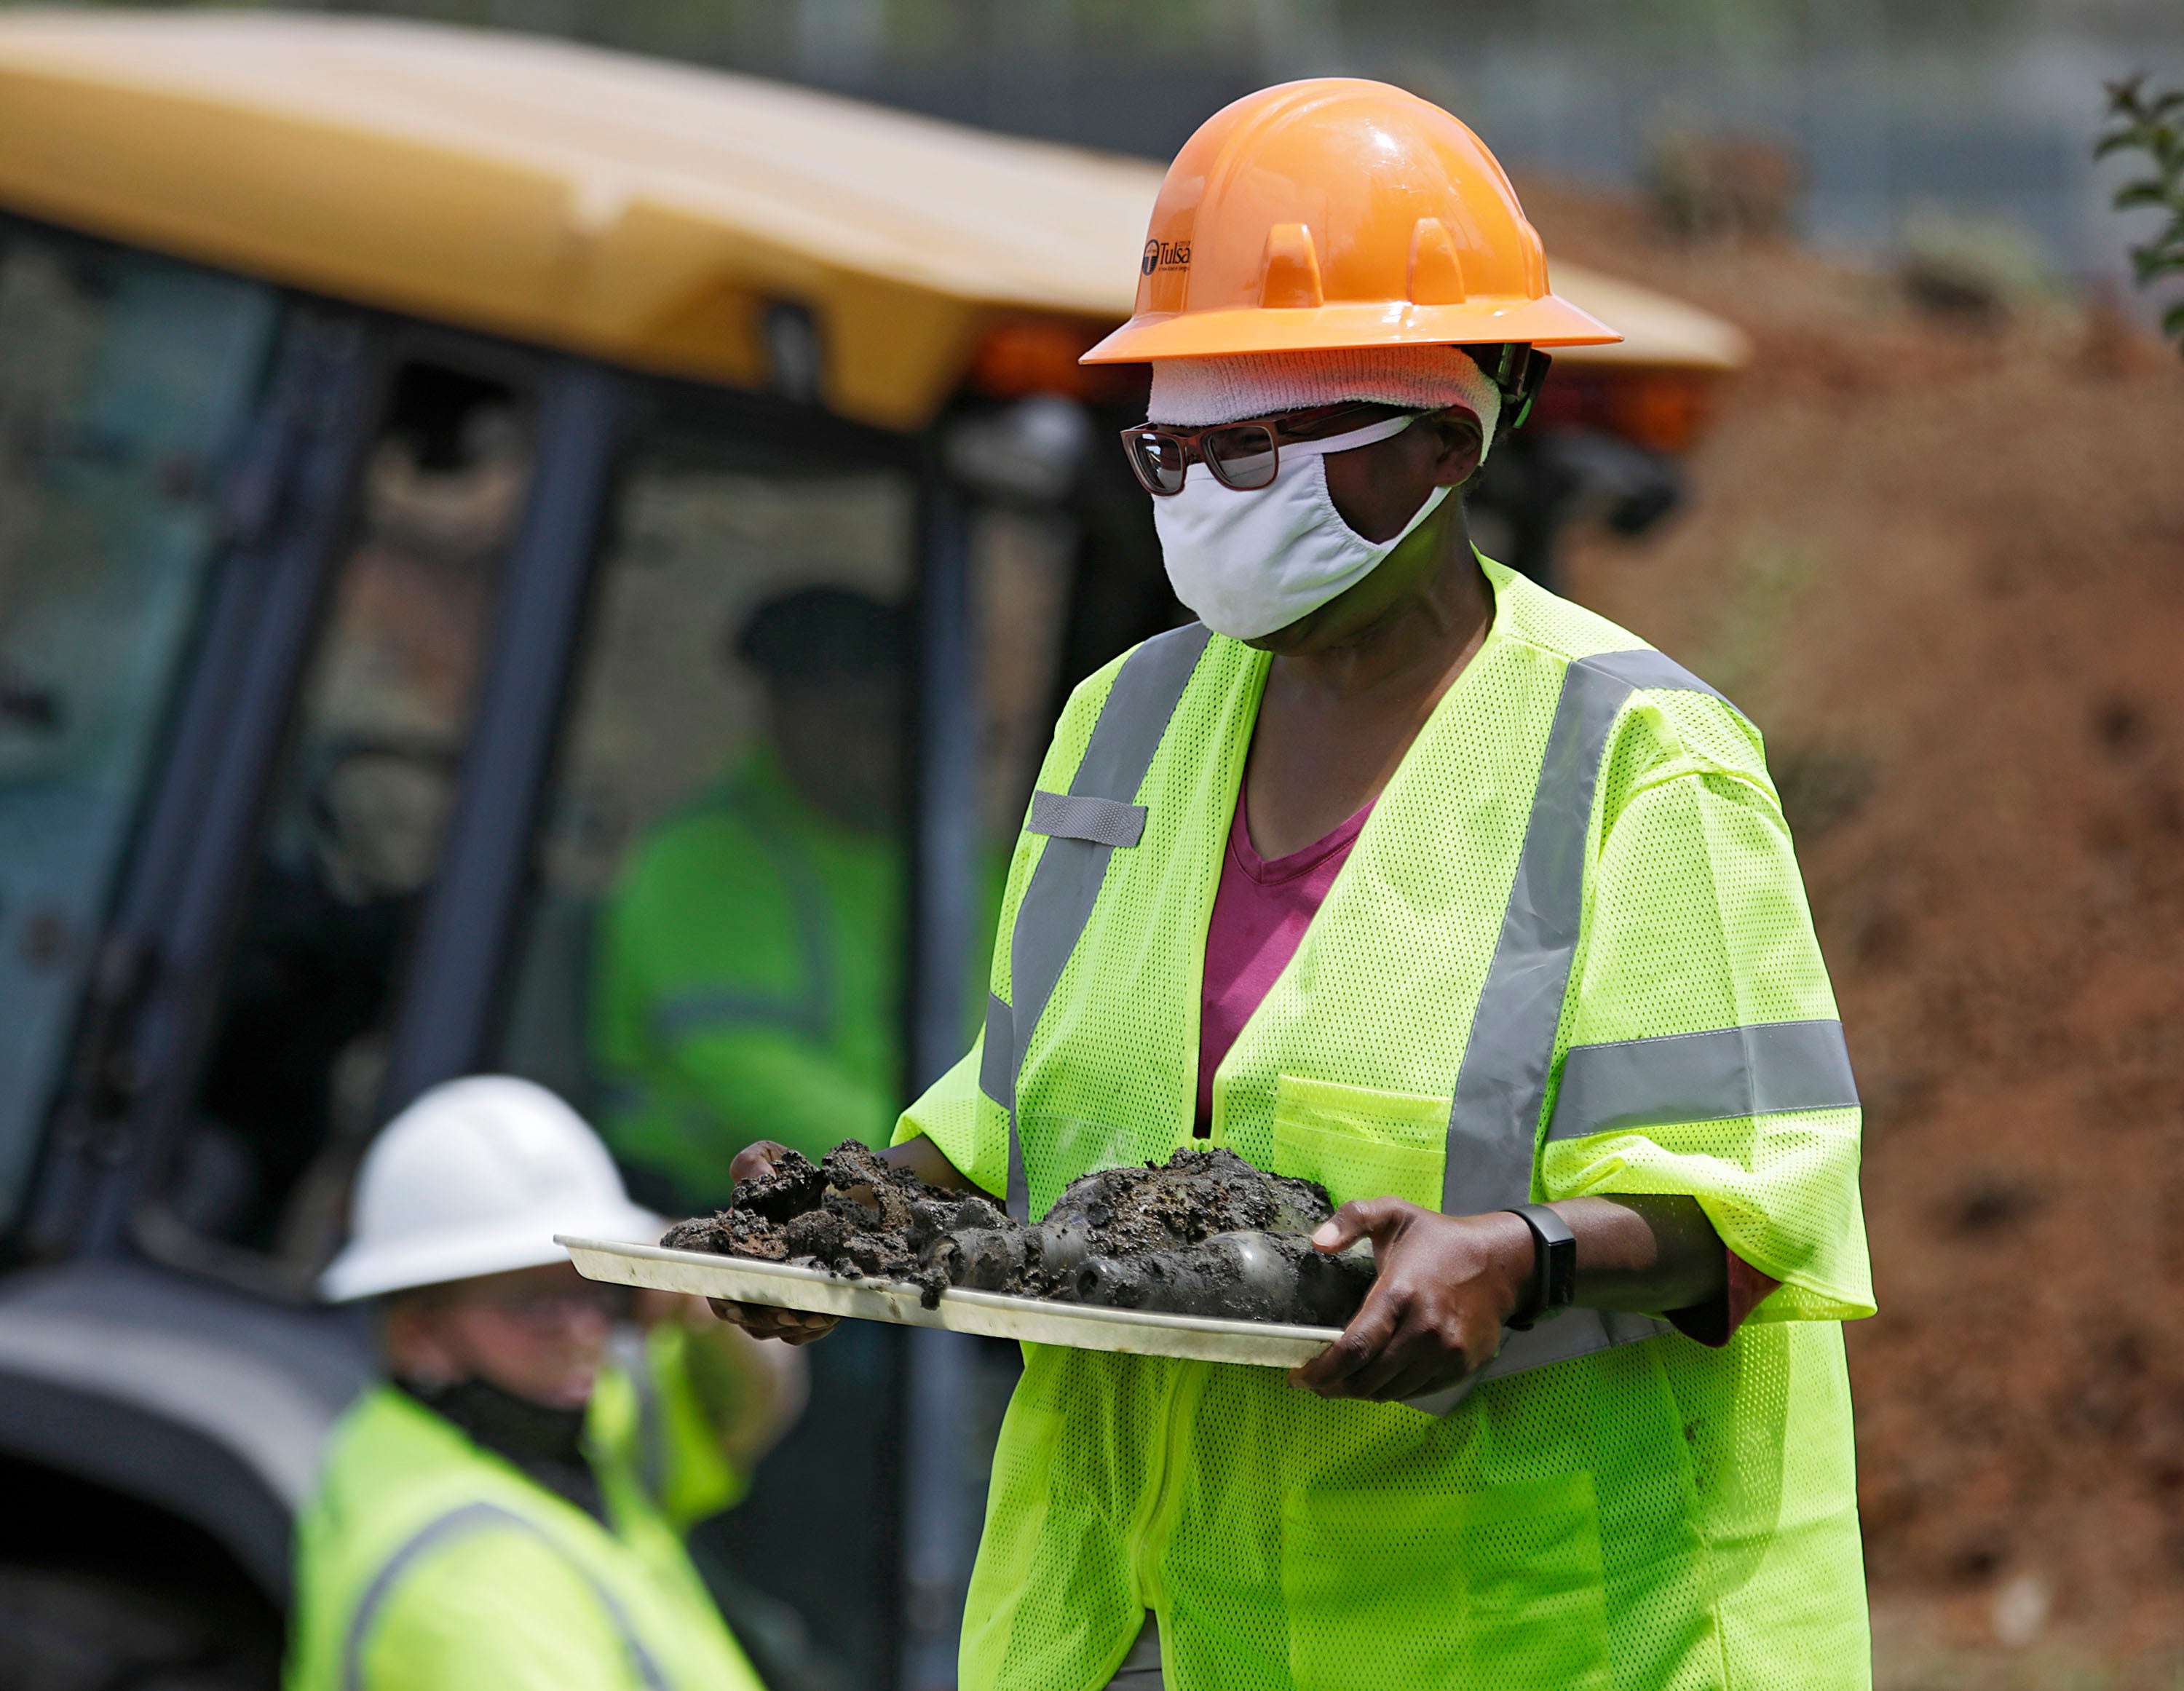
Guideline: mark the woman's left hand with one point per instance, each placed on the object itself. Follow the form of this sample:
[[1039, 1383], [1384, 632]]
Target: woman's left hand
[[1444, 1285]]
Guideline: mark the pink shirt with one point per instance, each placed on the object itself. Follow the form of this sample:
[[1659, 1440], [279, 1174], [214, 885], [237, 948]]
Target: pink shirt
[[1260, 911]]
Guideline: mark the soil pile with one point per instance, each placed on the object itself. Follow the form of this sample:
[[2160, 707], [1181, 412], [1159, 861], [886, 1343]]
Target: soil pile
[[1942, 567], [1206, 1234]]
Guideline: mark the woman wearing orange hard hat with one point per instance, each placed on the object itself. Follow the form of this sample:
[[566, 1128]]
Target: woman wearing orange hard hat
[[1398, 873]]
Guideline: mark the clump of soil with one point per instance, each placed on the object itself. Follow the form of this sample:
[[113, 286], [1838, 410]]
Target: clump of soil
[[1206, 1234], [853, 1215]]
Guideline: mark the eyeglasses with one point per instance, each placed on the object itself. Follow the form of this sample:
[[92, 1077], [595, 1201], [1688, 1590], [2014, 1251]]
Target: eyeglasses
[[1242, 457], [547, 1312]]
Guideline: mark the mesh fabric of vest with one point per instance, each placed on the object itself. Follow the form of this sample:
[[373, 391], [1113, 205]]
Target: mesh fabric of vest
[[1650, 1516], [520, 1600]]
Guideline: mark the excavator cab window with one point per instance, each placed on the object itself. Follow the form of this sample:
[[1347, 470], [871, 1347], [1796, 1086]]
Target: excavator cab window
[[125, 381], [373, 761]]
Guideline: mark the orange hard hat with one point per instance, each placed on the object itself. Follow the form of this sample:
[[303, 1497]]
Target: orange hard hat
[[1338, 212]]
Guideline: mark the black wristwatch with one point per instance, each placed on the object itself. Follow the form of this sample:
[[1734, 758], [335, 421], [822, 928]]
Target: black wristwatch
[[1554, 1283]]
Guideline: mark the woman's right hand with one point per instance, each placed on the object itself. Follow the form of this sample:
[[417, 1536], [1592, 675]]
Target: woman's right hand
[[764, 1320]]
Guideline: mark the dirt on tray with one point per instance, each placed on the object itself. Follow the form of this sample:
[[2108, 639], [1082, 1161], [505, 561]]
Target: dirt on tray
[[1206, 1234]]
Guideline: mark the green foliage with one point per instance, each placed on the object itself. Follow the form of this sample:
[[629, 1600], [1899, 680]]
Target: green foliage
[[2154, 125]]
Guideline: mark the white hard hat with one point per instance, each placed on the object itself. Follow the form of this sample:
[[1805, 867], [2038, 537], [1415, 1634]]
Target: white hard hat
[[476, 1177]]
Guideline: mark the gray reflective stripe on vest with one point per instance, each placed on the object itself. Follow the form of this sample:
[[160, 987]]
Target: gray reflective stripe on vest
[[470, 1518], [1770, 1068], [1573, 1334], [1072, 816], [997, 1079], [1058, 904], [1502, 1086], [713, 1010], [632, 1355]]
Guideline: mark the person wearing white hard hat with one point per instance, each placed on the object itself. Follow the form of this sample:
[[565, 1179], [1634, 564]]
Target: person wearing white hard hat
[[506, 1508]]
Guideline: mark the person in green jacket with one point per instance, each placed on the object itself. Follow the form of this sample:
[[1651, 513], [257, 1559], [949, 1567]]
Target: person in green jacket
[[506, 1508], [751, 955], [750, 985]]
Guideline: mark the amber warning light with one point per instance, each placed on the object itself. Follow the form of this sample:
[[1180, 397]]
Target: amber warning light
[[1021, 356]]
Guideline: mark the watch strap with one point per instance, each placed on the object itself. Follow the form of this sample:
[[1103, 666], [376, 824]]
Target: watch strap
[[1553, 1284]]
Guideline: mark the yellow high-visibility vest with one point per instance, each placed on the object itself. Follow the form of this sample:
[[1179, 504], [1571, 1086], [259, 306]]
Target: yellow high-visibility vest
[[425, 1563], [1569, 953]]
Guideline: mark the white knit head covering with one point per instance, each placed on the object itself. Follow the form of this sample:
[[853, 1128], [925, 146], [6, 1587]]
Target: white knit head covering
[[1195, 392]]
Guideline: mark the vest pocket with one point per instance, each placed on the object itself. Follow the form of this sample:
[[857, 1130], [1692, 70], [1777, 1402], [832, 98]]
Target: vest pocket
[[1390, 1588], [1360, 1142]]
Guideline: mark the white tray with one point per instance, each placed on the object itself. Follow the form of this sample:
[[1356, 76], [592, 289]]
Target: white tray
[[1137, 1332]]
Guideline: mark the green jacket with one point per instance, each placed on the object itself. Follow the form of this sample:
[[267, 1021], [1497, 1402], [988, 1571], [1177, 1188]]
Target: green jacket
[[425, 1563], [1569, 954], [750, 987]]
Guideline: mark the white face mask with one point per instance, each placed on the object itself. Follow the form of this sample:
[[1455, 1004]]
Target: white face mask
[[1251, 563]]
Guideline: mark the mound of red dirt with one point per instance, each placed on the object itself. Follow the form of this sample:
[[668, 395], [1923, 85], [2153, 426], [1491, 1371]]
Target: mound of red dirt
[[1943, 569]]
